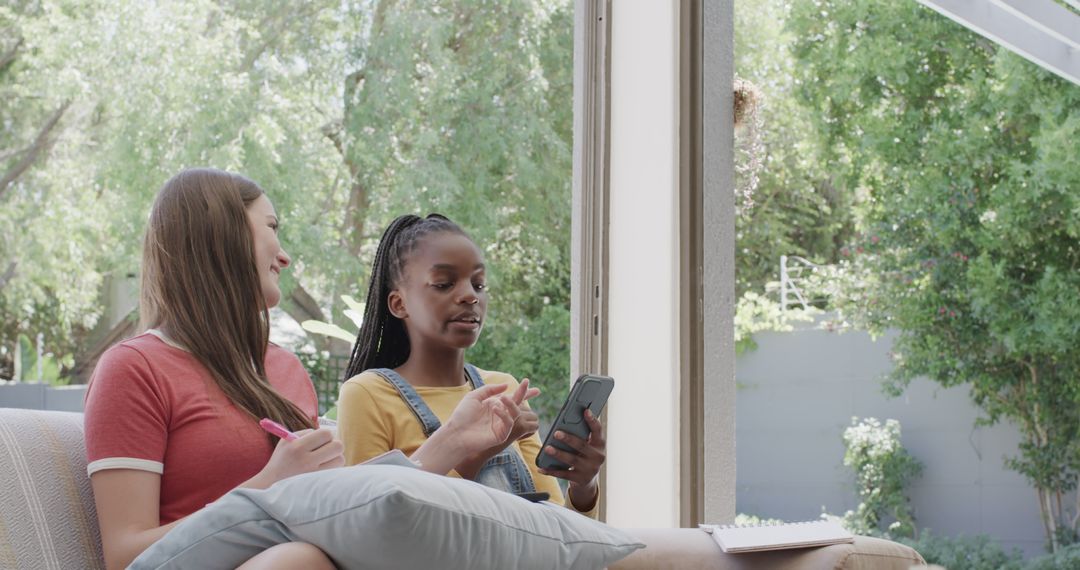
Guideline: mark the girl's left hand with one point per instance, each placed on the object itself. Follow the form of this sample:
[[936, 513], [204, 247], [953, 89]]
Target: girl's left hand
[[584, 463]]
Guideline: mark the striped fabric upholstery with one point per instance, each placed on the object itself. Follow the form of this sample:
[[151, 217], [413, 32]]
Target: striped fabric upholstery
[[47, 516]]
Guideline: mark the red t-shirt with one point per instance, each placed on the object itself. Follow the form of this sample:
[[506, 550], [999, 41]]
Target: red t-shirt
[[154, 407]]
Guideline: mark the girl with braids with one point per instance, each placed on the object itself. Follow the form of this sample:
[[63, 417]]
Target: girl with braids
[[172, 414], [426, 304]]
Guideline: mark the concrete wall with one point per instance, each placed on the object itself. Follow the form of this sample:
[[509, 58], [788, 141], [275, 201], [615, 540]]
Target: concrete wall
[[797, 393], [42, 396]]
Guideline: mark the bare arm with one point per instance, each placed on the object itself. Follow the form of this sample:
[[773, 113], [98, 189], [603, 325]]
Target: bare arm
[[128, 500], [127, 507]]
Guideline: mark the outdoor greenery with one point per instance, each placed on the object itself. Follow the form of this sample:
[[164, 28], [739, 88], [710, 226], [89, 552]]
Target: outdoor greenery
[[982, 552], [797, 206], [979, 552], [963, 158], [347, 113], [756, 312], [883, 469], [933, 170], [32, 367], [1066, 558]]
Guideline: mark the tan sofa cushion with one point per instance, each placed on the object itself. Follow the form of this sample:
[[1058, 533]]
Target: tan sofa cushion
[[692, 548], [47, 516], [48, 520]]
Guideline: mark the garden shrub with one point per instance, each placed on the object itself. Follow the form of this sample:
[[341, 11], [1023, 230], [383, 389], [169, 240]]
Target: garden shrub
[[882, 470], [979, 552], [1067, 558]]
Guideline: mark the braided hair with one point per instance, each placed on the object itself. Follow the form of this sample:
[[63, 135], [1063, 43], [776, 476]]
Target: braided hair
[[382, 341]]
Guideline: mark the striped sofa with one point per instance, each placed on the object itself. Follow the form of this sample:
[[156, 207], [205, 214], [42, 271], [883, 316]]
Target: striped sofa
[[47, 516], [48, 520]]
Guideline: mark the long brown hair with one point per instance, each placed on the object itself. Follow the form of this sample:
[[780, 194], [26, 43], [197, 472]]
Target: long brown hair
[[201, 283]]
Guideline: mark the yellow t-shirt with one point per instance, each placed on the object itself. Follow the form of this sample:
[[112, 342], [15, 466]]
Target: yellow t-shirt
[[373, 419]]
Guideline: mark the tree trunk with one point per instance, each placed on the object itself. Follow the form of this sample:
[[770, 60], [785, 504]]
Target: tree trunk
[[9, 56], [40, 145], [8, 274], [272, 27], [359, 198], [1076, 515], [356, 214], [1051, 522]]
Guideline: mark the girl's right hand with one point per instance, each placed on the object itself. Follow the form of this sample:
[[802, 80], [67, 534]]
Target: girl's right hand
[[485, 417], [528, 422], [313, 450]]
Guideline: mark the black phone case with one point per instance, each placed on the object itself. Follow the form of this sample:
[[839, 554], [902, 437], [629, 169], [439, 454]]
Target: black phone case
[[534, 497], [590, 392]]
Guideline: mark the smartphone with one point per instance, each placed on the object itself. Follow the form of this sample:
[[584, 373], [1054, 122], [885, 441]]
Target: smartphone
[[589, 392], [534, 497]]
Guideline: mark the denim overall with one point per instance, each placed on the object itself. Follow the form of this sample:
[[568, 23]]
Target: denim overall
[[506, 471]]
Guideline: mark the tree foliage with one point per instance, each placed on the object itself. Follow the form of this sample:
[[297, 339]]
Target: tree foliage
[[799, 207], [347, 113], [964, 155]]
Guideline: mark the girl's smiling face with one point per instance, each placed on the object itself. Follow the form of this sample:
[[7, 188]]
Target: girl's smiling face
[[270, 258], [443, 294]]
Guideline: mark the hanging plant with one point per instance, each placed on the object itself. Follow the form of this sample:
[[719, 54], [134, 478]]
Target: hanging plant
[[749, 148]]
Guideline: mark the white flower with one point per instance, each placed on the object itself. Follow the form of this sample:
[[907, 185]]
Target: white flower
[[988, 217]]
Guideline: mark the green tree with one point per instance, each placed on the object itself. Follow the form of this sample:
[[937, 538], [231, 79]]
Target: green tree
[[798, 207], [347, 113], [463, 108], [104, 100], [965, 154]]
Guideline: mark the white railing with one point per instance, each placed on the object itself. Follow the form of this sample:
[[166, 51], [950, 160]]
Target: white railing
[[792, 271]]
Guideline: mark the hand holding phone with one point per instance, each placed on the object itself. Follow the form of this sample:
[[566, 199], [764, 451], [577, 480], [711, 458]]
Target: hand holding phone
[[589, 393]]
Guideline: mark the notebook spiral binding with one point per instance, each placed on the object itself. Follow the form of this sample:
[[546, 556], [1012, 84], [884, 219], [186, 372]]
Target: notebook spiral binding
[[709, 528], [762, 524]]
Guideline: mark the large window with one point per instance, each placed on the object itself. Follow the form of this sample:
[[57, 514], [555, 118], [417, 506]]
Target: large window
[[347, 113]]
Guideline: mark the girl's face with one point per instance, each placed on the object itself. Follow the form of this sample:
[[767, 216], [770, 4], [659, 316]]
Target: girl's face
[[270, 258], [443, 296]]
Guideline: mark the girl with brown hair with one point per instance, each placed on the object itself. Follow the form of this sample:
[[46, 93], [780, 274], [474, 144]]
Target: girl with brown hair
[[172, 414]]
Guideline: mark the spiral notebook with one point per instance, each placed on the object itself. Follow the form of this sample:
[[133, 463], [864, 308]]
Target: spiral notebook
[[735, 538], [392, 457]]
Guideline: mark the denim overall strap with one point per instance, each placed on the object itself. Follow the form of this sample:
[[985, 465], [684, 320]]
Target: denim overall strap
[[474, 376], [507, 470], [412, 399]]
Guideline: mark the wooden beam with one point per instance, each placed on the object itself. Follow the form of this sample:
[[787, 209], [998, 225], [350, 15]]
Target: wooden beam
[[1039, 30], [1052, 19], [589, 212]]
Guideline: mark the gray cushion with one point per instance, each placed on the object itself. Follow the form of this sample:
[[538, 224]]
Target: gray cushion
[[383, 516]]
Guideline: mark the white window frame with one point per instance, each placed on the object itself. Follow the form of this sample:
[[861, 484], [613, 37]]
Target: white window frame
[[704, 252]]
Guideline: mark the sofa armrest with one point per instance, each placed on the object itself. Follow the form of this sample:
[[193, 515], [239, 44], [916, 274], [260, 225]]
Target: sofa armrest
[[47, 515], [673, 548]]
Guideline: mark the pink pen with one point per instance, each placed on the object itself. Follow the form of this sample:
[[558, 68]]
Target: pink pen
[[277, 429]]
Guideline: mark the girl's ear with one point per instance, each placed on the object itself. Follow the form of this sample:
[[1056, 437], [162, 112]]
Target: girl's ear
[[396, 303]]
